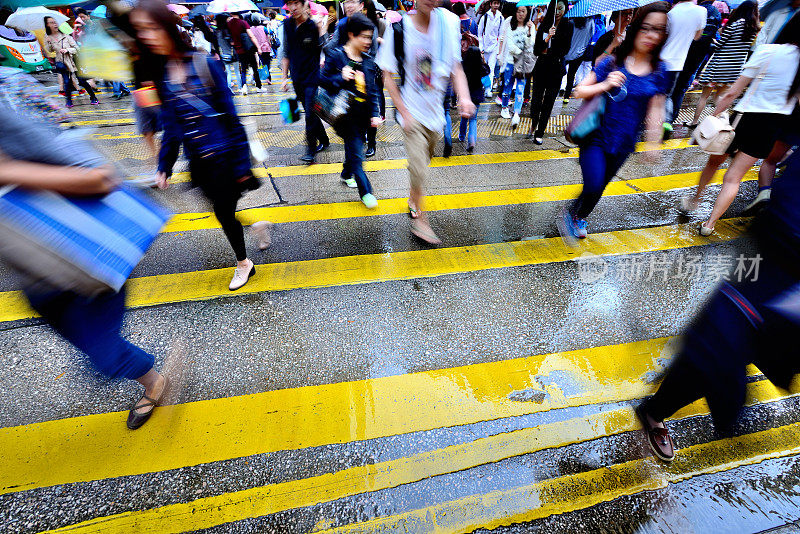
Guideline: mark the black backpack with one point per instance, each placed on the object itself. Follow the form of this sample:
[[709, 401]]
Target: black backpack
[[399, 50]]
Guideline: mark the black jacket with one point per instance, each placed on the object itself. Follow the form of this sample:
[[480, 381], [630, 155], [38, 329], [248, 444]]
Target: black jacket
[[559, 46], [331, 78], [302, 46]]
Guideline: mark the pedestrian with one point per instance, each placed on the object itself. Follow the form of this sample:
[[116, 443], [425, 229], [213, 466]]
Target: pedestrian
[[263, 49], [301, 51], [730, 53], [776, 22], [425, 58], [226, 51], [244, 41], [553, 39], [377, 38], [698, 52], [489, 28], [351, 68], [686, 24], [197, 111], [519, 61], [338, 37], [201, 26], [634, 83], [92, 325], [606, 45], [64, 47], [751, 320], [767, 104], [467, 24], [581, 37], [475, 68]]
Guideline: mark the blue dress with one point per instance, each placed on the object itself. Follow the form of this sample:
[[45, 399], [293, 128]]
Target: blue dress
[[623, 120]]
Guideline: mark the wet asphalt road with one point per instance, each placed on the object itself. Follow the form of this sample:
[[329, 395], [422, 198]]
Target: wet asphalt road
[[494, 398]]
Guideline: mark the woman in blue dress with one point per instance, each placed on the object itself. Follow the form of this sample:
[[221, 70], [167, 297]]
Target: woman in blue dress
[[634, 84]]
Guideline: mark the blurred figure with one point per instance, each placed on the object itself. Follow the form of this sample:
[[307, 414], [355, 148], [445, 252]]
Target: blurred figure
[[489, 28], [776, 22], [64, 47], [92, 325], [244, 43], [301, 51], [226, 52], [198, 113], [553, 40], [333, 19], [607, 43], [351, 68], [201, 28], [377, 39], [468, 25], [752, 319], [766, 106], [581, 37], [263, 49], [474, 70], [634, 84], [517, 59], [338, 36]]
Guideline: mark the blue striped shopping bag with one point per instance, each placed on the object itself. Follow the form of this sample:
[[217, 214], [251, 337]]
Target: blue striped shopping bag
[[88, 245]]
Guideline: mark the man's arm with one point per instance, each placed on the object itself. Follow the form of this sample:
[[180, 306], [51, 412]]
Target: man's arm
[[465, 105], [397, 99]]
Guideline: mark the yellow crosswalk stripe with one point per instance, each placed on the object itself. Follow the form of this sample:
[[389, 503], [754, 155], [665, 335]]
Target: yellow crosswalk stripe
[[260, 501], [453, 161], [184, 222], [404, 265]]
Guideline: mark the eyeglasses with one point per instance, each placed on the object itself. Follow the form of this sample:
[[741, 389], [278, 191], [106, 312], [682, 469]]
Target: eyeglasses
[[660, 30]]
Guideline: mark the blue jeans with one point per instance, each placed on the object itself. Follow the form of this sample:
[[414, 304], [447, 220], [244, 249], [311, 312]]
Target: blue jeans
[[315, 131], [598, 168], [353, 137], [93, 326], [119, 88], [468, 129], [448, 121], [516, 85]]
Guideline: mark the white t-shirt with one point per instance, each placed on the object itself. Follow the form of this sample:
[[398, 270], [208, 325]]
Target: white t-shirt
[[683, 22], [489, 30], [425, 85], [774, 68]]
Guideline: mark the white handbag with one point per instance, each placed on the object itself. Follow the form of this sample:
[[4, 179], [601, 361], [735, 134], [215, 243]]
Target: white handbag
[[714, 134]]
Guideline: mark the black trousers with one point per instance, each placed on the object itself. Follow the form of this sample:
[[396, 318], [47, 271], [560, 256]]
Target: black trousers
[[572, 70], [698, 52], [546, 83], [248, 60], [315, 131], [373, 132], [224, 207]]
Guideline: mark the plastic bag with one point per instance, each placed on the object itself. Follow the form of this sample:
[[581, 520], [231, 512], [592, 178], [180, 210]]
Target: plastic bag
[[101, 56]]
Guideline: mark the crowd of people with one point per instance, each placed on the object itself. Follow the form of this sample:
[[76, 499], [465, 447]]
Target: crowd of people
[[642, 63]]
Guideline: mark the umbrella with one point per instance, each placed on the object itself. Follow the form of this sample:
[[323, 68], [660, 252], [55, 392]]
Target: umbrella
[[32, 18], [470, 2], [99, 12], [523, 3], [721, 6], [177, 9], [393, 16], [588, 8], [231, 6], [316, 9], [198, 11]]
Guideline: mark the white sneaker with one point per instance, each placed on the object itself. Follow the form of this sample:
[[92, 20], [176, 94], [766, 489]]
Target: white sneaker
[[244, 90], [515, 120], [705, 230], [256, 90], [263, 232], [350, 182], [241, 275], [488, 94], [763, 196], [505, 113]]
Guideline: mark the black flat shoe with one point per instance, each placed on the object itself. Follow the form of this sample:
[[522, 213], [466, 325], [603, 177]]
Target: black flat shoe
[[370, 152], [308, 158], [448, 150], [322, 146], [135, 420]]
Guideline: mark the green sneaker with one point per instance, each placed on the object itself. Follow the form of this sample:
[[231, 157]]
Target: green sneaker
[[667, 127], [350, 182], [370, 201]]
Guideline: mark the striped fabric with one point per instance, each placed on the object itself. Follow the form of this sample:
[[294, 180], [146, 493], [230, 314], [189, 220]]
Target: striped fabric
[[88, 245], [588, 8], [726, 63]]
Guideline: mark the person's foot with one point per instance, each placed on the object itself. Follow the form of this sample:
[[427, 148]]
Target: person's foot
[[538, 140], [144, 407], [370, 201], [263, 232], [690, 124], [269, 82], [667, 131], [448, 150], [526, 101], [242, 274], [322, 146], [705, 230], [308, 159], [505, 113], [567, 228], [61, 93], [581, 228], [515, 120], [244, 90], [658, 438], [470, 149], [81, 91], [349, 182], [256, 90], [498, 101], [488, 94], [565, 101], [687, 204], [423, 230], [370, 152], [70, 105], [759, 202], [95, 102]]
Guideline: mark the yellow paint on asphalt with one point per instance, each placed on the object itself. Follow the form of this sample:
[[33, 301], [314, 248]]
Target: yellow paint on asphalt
[[185, 222], [260, 501], [404, 265], [453, 161], [123, 122]]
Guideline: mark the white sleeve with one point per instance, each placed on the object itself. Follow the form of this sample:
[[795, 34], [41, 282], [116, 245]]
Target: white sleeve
[[703, 20], [758, 60], [385, 59]]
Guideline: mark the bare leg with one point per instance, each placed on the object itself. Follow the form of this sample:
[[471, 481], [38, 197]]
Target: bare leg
[[730, 186], [701, 103], [150, 142], [767, 172], [707, 175]]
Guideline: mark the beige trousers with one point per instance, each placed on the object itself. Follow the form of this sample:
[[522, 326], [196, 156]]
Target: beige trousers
[[420, 143]]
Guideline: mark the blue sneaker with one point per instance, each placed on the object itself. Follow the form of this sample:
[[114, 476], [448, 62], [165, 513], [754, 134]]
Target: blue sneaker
[[580, 228], [567, 228]]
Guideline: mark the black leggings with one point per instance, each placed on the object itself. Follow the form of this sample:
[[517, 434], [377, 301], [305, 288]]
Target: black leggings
[[225, 212], [572, 70], [248, 60], [546, 83]]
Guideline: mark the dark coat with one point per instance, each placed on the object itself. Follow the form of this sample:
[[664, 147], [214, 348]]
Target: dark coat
[[331, 78], [559, 45]]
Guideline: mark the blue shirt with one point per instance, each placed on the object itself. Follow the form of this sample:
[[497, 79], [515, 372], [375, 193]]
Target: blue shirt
[[623, 120]]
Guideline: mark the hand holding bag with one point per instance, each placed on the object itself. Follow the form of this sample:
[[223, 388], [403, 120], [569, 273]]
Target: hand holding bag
[[332, 107]]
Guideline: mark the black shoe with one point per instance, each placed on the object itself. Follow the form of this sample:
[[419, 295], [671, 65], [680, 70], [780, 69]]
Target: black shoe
[[448, 150], [126, 93], [308, 158], [370, 152], [470, 149], [322, 146], [117, 97]]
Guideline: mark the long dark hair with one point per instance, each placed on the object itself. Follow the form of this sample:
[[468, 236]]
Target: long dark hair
[[748, 11], [514, 22], [200, 24], [46, 27], [790, 34], [626, 47], [169, 21], [372, 13], [550, 16]]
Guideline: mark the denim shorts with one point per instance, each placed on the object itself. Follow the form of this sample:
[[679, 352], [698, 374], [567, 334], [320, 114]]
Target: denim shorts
[[148, 119]]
